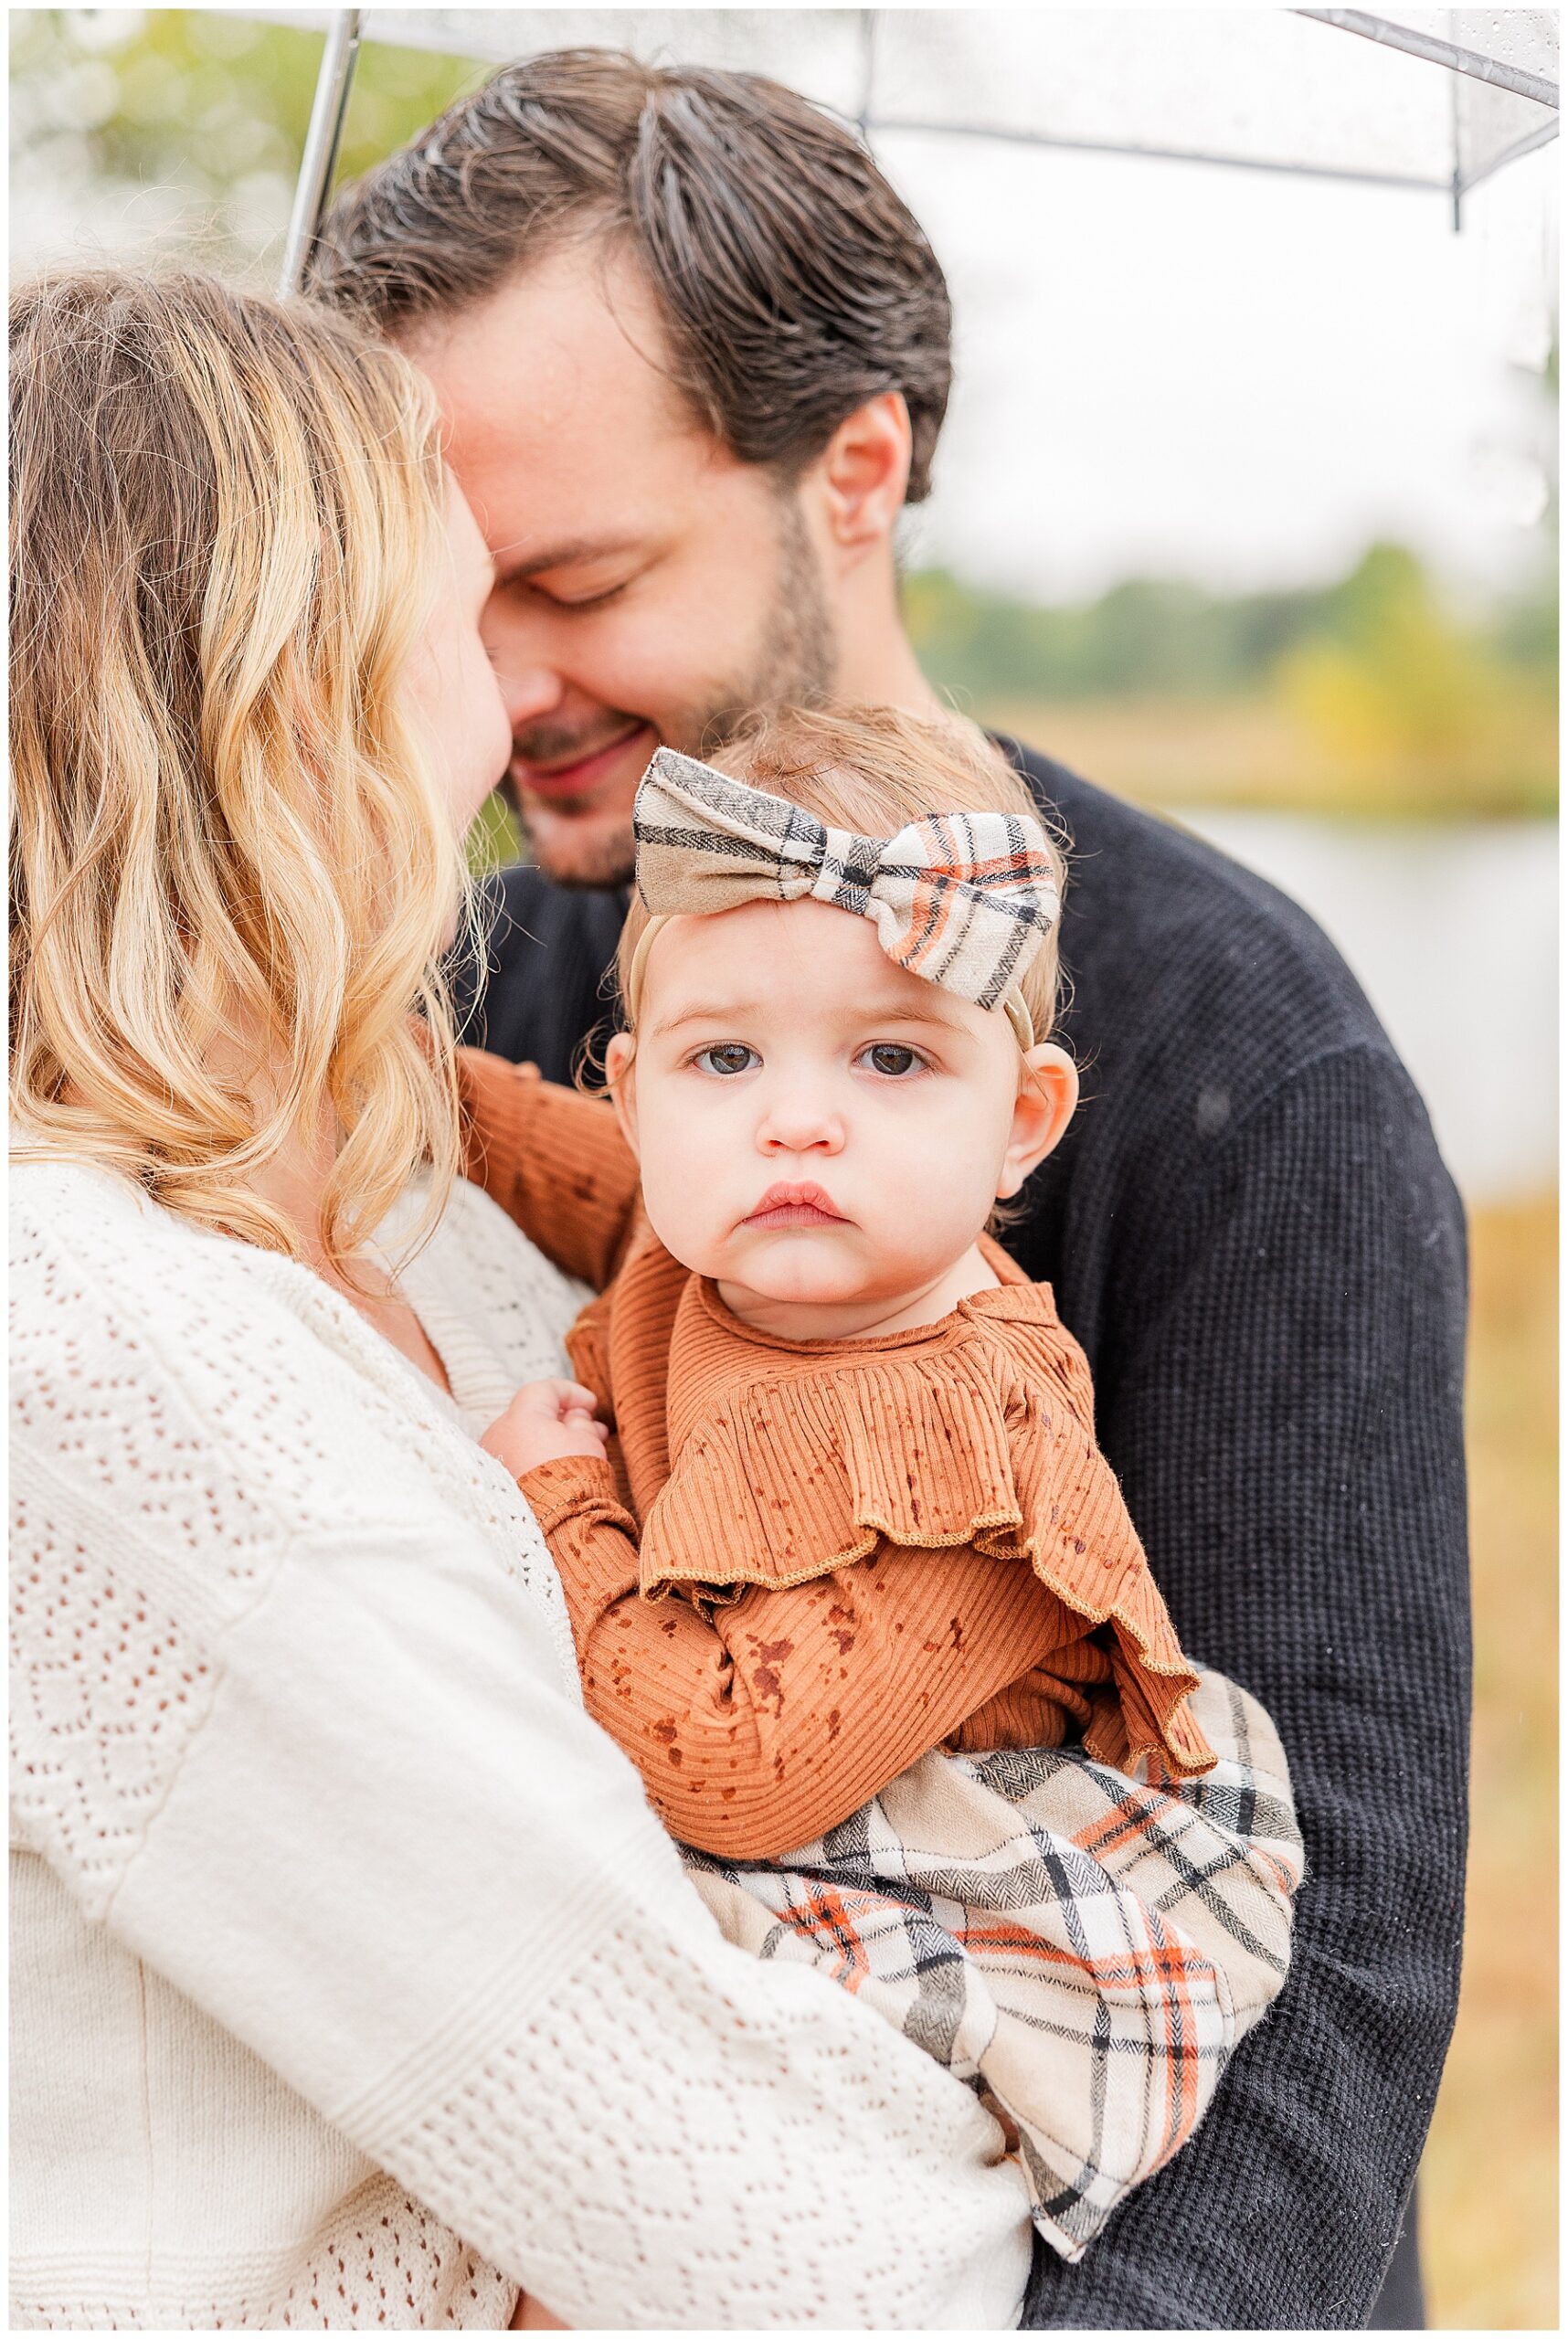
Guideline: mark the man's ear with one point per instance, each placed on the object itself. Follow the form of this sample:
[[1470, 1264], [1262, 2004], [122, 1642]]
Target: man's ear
[[622, 1088], [1047, 1098], [862, 474]]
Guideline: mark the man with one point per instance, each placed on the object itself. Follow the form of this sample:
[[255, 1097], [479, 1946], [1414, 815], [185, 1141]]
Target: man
[[694, 355]]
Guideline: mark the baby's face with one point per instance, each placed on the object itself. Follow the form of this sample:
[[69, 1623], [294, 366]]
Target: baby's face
[[817, 1128]]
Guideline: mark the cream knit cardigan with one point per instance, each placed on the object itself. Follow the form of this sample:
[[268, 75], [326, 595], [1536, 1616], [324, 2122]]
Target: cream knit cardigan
[[354, 1983]]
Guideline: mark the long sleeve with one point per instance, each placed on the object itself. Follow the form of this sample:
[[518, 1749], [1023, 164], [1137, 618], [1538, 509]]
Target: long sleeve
[[760, 1725], [323, 1767], [1283, 1411], [552, 1158]]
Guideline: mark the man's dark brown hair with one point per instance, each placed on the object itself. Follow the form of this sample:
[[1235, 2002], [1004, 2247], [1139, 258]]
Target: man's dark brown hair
[[793, 283]]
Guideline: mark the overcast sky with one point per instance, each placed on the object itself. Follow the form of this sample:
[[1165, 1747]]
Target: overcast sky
[[1171, 367], [1183, 369]]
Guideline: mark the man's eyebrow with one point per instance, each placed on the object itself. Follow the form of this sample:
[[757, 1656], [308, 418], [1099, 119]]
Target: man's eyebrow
[[567, 553]]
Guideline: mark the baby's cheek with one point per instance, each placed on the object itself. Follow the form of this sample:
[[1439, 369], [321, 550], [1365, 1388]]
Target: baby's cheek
[[923, 1207], [680, 1195]]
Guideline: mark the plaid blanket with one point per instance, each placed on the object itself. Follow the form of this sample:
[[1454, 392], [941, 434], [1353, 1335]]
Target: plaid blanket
[[1083, 1947]]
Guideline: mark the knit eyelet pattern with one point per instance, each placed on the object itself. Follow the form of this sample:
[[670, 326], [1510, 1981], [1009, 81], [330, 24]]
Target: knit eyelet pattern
[[354, 1981]]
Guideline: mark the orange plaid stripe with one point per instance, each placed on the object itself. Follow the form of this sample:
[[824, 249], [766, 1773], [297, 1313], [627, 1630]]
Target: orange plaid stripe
[[1091, 1959]]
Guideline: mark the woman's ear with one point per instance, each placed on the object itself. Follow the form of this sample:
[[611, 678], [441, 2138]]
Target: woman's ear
[[1047, 1098], [618, 1058]]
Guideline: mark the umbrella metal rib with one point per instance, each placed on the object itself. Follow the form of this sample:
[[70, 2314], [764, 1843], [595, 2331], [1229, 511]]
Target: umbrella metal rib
[[1000, 132], [1469, 61], [319, 159], [345, 27]]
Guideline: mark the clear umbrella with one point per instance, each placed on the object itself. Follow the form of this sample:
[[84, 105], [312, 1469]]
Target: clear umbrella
[[1437, 98]]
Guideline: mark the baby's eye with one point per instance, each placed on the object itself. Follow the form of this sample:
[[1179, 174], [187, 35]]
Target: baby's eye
[[893, 1062], [729, 1057]]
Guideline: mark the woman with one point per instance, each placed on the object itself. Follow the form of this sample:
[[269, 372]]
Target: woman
[[354, 1980]]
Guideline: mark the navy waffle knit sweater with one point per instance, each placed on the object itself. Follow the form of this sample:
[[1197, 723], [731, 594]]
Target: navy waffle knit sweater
[[1250, 1230]]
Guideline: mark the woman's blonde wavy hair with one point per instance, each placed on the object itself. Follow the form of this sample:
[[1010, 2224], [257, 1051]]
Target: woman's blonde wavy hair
[[225, 517]]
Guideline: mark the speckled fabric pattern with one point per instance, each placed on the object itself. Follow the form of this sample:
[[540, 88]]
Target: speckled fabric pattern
[[1250, 1232]]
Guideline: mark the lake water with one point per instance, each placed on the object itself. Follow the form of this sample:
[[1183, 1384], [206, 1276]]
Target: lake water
[[1452, 933]]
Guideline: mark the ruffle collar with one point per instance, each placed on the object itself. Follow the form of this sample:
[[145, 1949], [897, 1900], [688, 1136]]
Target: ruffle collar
[[790, 1460]]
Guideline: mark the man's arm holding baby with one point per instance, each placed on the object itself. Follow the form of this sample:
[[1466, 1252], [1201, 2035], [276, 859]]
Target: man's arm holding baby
[[552, 1158], [761, 1728], [1286, 1423]]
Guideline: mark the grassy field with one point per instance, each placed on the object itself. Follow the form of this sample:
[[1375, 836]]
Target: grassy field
[[1263, 753], [1489, 2203]]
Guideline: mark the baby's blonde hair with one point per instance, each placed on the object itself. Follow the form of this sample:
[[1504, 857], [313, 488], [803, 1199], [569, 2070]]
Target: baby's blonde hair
[[226, 517], [874, 769]]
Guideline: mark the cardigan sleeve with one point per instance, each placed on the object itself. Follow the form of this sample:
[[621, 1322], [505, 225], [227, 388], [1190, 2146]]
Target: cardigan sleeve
[[554, 1159], [759, 1723], [355, 1814]]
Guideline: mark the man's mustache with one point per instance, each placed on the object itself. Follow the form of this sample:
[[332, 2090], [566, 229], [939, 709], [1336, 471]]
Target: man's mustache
[[555, 743]]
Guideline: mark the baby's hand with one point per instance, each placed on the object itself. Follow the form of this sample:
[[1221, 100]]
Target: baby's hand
[[546, 1422]]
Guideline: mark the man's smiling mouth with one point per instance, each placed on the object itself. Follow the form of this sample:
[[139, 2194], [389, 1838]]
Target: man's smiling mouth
[[582, 772]]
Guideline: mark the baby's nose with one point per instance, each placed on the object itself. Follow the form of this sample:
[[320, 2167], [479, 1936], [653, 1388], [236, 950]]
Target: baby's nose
[[800, 1124]]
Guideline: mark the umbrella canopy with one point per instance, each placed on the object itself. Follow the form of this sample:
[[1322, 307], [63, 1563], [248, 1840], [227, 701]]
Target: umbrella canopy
[[1434, 98]]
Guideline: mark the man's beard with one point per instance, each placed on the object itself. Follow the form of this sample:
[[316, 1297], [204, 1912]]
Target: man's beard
[[796, 660], [798, 654]]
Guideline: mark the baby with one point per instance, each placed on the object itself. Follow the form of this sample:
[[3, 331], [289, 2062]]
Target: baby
[[849, 1578]]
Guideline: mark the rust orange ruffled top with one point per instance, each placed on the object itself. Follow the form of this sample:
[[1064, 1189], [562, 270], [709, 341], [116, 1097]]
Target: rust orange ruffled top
[[802, 1564]]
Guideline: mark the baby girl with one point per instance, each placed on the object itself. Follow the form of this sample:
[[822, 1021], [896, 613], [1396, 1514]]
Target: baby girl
[[849, 1578]]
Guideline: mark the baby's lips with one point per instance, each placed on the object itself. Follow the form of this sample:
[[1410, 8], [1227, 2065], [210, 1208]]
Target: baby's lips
[[796, 1194]]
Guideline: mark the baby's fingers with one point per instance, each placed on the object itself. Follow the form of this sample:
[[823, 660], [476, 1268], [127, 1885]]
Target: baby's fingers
[[556, 1399]]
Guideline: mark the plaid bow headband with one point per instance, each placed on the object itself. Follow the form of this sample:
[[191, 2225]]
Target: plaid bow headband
[[963, 899]]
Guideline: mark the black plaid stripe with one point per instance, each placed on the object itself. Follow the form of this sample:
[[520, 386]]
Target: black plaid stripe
[[979, 887], [1088, 1963]]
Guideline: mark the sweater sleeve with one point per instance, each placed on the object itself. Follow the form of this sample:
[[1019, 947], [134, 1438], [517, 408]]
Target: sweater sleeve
[[332, 1781], [761, 1723], [554, 1159], [1286, 1421]]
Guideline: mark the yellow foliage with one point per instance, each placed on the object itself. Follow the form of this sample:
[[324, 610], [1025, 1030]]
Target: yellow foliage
[[1488, 2181], [1401, 679]]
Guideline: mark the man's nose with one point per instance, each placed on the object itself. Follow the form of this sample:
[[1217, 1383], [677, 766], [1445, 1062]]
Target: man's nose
[[531, 685]]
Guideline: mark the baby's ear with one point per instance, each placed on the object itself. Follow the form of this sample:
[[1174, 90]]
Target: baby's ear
[[1047, 1098], [622, 1088]]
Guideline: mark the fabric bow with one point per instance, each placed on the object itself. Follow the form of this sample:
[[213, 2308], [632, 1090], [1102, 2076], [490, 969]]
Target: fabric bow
[[963, 899]]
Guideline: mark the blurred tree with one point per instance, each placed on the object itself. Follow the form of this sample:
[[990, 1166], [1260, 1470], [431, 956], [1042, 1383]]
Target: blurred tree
[[183, 127], [1161, 636], [1390, 674]]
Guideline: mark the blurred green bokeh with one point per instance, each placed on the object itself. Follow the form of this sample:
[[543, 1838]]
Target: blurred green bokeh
[[183, 127]]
